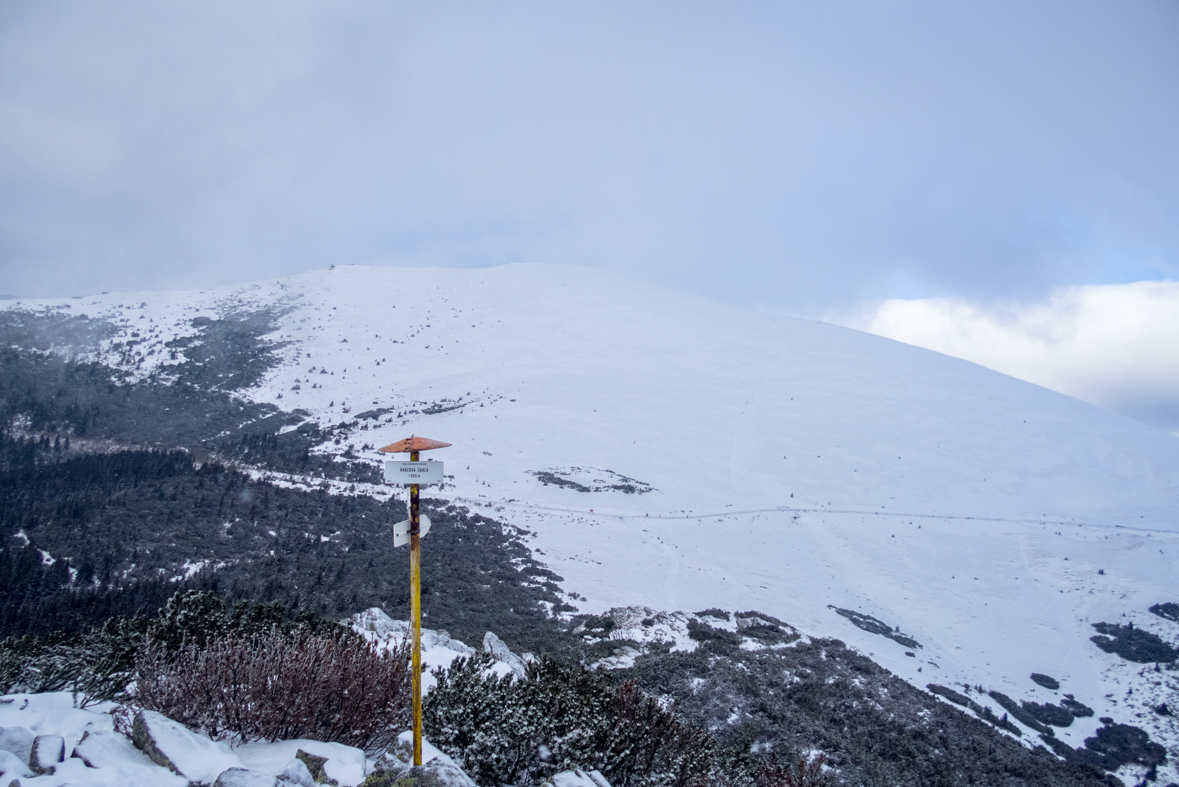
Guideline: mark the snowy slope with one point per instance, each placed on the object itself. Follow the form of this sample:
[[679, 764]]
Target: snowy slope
[[792, 465]]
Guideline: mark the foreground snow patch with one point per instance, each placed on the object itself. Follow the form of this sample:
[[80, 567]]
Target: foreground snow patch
[[171, 745], [46, 742]]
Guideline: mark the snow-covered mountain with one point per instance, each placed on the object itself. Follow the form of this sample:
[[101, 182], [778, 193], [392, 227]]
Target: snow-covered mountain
[[681, 453]]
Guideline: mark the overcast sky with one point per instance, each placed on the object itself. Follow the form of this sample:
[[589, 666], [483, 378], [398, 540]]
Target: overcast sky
[[808, 157]]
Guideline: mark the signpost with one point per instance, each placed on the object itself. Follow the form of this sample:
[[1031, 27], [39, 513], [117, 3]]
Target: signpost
[[414, 474]]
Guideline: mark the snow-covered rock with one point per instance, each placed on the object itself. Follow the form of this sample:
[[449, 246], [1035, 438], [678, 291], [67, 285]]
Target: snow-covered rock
[[48, 751], [439, 649], [10, 765], [376, 625], [118, 758], [103, 757], [296, 775], [173, 746], [577, 778], [315, 767], [345, 764], [54, 713], [244, 777], [436, 766], [18, 741], [496, 647]]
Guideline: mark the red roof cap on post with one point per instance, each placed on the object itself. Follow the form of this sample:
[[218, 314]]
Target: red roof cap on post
[[411, 444]]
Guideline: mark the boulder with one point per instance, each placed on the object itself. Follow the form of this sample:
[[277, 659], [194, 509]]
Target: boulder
[[112, 752], [10, 765], [434, 773], [100, 748], [436, 768], [315, 767], [344, 765], [375, 624], [18, 741], [48, 751], [244, 777], [173, 746], [496, 647], [296, 774]]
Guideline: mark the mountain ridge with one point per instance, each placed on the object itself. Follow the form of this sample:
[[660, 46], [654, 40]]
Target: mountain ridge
[[992, 520]]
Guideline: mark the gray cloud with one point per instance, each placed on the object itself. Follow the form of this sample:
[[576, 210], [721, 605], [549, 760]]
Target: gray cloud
[[795, 156], [1116, 346]]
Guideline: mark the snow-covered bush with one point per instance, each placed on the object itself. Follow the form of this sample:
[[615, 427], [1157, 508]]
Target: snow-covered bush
[[326, 686], [559, 717], [95, 665]]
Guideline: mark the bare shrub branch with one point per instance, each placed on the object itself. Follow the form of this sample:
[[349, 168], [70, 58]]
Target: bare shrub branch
[[326, 686]]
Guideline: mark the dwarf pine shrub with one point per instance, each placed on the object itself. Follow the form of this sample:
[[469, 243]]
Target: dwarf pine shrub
[[561, 716]]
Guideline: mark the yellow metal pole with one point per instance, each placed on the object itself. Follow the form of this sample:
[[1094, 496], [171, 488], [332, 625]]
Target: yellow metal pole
[[415, 595]]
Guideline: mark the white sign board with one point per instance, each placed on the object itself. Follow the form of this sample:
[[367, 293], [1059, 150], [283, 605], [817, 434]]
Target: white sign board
[[405, 473], [401, 530]]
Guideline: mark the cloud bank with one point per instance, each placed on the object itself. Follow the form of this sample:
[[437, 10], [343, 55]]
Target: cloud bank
[[792, 155], [1116, 346]]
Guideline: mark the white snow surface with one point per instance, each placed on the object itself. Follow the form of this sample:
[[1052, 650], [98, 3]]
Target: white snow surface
[[98, 756], [345, 764], [196, 757], [794, 464]]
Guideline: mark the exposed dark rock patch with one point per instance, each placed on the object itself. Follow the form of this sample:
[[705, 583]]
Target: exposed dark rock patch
[[1133, 644], [1168, 610], [315, 767], [875, 626]]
